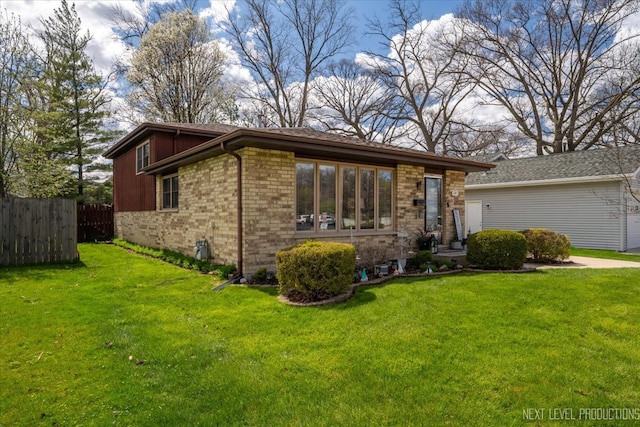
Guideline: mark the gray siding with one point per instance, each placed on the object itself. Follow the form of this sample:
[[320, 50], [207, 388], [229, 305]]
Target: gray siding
[[589, 213], [633, 216]]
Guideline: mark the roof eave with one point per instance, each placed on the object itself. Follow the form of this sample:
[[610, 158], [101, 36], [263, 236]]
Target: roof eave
[[306, 146], [147, 129]]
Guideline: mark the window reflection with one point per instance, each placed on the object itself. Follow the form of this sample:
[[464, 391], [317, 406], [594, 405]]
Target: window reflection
[[367, 199], [305, 180], [327, 220], [384, 200], [348, 198], [433, 214], [357, 198]]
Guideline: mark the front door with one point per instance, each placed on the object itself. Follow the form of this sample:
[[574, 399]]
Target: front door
[[473, 216]]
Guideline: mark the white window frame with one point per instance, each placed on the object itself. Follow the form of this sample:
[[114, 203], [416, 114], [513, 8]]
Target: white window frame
[[173, 204], [140, 161]]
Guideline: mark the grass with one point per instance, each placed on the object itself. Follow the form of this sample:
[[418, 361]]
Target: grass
[[598, 253], [126, 340]]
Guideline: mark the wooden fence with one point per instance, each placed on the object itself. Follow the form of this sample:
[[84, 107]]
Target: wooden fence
[[34, 231], [95, 223]]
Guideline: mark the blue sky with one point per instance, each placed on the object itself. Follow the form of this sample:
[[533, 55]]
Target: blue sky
[[105, 48], [367, 9]]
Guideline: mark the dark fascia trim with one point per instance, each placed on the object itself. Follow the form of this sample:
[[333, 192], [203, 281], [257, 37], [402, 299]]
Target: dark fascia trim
[[318, 148], [145, 130]]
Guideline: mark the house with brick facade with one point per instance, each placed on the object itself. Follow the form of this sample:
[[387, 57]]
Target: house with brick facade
[[250, 192]]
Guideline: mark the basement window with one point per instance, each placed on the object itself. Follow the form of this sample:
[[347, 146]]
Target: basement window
[[142, 156], [170, 192]]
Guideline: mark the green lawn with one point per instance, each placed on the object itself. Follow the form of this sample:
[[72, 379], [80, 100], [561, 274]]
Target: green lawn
[[125, 340], [597, 253]]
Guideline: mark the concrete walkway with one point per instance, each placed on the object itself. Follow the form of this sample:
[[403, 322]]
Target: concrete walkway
[[585, 262], [572, 262]]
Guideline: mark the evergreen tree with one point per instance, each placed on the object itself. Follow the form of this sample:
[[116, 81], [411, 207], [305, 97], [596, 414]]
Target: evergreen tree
[[70, 100]]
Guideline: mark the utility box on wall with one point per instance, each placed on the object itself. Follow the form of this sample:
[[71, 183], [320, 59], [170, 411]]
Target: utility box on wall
[[202, 249]]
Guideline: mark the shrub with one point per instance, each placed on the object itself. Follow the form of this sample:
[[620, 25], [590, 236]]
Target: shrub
[[261, 274], [497, 249], [420, 259], [175, 258], [369, 255], [547, 245], [224, 271], [314, 271], [446, 262]]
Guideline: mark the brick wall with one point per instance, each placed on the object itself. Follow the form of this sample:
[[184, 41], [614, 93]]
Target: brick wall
[[269, 192], [269, 210], [409, 218], [207, 210]]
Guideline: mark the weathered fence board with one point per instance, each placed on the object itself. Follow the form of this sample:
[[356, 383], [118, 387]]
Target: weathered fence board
[[35, 231], [95, 223]]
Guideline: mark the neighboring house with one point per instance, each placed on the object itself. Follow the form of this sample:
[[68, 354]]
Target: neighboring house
[[251, 192], [584, 194]]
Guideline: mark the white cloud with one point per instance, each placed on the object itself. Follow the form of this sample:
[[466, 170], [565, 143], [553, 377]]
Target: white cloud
[[104, 48], [217, 11]]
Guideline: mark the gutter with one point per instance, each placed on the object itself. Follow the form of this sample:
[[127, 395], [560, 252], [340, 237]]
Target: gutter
[[238, 202], [552, 181]]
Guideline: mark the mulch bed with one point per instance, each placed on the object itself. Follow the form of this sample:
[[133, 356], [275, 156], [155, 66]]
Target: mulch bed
[[299, 300], [349, 292]]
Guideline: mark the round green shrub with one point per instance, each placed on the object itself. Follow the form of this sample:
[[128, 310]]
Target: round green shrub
[[497, 249], [261, 274], [546, 245], [420, 259], [314, 271]]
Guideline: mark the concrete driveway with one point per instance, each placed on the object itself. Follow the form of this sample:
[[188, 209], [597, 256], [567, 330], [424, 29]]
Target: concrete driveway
[[585, 262]]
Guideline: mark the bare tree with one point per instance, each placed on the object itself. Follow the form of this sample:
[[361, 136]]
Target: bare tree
[[175, 73], [421, 70], [623, 161], [354, 103], [488, 139], [132, 25], [565, 70], [285, 45]]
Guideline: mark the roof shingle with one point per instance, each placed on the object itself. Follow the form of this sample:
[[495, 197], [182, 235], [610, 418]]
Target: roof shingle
[[576, 164]]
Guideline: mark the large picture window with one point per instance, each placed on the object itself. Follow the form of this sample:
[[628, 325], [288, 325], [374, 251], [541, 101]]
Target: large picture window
[[333, 197], [170, 192], [142, 157]]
